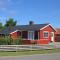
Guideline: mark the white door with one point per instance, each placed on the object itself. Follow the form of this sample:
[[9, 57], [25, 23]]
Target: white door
[[52, 36]]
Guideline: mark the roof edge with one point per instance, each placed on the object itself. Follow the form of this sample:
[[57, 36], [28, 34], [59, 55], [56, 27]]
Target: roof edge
[[14, 31], [47, 26]]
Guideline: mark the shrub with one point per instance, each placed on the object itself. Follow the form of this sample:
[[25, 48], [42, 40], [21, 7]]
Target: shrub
[[18, 41], [5, 40], [9, 41]]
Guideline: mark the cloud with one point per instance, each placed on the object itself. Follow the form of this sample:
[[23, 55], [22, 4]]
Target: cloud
[[10, 7], [2, 5], [6, 4], [9, 0], [12, 12]]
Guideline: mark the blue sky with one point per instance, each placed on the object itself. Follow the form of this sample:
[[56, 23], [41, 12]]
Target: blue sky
[[23, 11]]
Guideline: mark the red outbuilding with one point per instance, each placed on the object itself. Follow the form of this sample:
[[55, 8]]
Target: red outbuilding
[[57, 35]]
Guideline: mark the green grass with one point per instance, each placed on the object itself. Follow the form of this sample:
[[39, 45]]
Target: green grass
[[28, 52]]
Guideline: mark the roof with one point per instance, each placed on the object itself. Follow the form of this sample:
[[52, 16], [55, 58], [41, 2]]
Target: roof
[[23, 27], [58, 31]]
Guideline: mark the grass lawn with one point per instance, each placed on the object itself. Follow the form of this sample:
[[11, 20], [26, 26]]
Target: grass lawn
[[29, 52]]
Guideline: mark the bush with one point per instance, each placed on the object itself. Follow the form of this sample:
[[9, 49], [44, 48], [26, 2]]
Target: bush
[[9, 41], [17, 41], [5, 40]]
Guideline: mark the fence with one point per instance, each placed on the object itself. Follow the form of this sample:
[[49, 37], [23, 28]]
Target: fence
[[24, 47]]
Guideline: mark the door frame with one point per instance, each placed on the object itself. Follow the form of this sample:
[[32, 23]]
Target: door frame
[[52, 37]]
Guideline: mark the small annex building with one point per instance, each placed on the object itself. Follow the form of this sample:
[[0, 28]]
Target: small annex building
[[57, 35]]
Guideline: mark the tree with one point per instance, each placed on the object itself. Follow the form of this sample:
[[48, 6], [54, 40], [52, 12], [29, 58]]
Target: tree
[[1, 26], [10, 22]]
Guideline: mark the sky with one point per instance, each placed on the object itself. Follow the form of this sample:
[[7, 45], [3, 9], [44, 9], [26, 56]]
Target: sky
[[23, 11]]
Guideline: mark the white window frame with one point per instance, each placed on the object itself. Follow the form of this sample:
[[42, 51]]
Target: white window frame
[[28, 35], [46, 32]]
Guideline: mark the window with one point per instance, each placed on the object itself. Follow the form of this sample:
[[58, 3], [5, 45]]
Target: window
[[18, 33], [31, 35], [36, 35], [24, 34], [46, 34]]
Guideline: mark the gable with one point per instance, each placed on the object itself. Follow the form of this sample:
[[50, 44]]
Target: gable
[[49, 25]]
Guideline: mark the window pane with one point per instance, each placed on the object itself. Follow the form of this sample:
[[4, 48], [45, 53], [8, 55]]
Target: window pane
[[36, 35], [45, 34], [24, 34], [31, 35]]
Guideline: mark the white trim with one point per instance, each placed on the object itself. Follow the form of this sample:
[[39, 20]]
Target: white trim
[[45, 32], [17, 30], [53, 27], [53, 37], [28, 35], [21, 34], [38, 35], [14, 31], [47, 26]]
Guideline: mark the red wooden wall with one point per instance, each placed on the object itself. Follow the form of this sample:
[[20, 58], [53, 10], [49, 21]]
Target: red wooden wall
[[57, 37], [15, 35], [46, 40]]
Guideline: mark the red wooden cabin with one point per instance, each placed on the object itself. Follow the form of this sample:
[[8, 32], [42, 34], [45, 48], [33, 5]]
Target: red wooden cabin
[[33, 33]]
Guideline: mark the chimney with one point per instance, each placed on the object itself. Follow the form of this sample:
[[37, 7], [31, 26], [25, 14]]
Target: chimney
[[31, 23]]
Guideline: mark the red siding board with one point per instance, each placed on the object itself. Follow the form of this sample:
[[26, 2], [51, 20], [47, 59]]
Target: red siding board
[[57, 38], [26, 42], [47, 40], [43, 41], [15, 35]]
